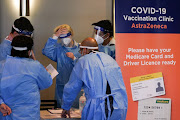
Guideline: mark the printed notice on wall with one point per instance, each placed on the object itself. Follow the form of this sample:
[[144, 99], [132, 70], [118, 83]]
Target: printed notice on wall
[[154, 109], [147, 86]]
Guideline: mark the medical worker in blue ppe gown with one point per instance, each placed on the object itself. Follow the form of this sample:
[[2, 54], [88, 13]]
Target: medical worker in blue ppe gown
[[4, 109], [101, 78], [60, 48], [103, 33], [21, 26], [22, 78]]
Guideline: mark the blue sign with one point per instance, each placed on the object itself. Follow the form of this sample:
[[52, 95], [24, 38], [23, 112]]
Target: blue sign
[[147, 16]]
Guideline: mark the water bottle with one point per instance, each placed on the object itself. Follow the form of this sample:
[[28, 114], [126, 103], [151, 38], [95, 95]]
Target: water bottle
[[82, 102]]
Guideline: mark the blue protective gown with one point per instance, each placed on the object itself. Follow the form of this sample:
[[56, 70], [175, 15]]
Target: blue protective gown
[[5, 49], [108, 49], [1, 71], [92, 72], [21, 82], [56, 52]]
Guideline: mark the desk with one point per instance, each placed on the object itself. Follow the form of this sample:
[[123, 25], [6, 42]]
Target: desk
[[46, 115]]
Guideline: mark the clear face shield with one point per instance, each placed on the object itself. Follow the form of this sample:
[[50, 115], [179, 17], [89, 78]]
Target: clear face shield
[[99, 34], [65, 38]]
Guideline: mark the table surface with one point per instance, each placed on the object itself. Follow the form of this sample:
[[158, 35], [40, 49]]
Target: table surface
[[46, 115]]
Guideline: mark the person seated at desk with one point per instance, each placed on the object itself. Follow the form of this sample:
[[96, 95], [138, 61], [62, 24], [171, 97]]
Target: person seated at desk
[[22, 78], [94, 71]]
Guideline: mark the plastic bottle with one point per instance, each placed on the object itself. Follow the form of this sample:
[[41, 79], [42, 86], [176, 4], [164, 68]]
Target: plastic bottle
[[82, 102]]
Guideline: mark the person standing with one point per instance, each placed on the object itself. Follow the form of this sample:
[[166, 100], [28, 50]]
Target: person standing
[[22, 78], [101, 78], [62, 48], [103, 34], [21, 26]]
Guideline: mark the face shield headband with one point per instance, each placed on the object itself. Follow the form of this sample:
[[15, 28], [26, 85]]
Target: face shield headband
[[20, 48], [64, 35], [23, 32], [91, 48], [99, 28]]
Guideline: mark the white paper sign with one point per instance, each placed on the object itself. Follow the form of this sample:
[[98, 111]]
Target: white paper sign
[[52, 71], [147, 86], [154, 109]]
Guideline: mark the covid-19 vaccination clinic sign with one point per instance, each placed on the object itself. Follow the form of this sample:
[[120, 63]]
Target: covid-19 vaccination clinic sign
[[147, 34]]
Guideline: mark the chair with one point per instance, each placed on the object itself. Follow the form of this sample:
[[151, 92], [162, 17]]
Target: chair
[[48, 104]]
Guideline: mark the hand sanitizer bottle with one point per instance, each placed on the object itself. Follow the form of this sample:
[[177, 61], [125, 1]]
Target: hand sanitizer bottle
[[82, 102]]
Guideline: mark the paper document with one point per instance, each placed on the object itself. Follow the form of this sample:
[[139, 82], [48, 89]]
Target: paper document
[[52, 71], [147, 86], [154, 109]]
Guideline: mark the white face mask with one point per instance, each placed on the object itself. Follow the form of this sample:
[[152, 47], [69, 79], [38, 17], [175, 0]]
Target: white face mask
[[66, 41], [99, 39]]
